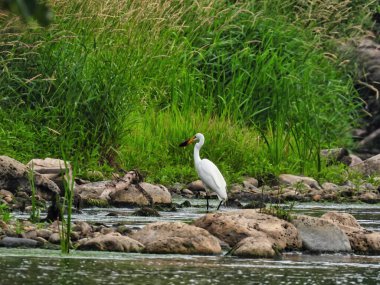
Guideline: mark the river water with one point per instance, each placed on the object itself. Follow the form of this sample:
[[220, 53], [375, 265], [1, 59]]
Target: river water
[[37, 266]]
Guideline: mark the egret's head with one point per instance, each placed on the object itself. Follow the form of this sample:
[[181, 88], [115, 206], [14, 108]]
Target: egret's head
[[188, 141], [198, 137]]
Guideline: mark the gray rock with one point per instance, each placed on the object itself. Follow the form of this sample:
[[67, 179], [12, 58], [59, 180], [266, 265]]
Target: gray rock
[[83, 228], [369, 197], [320, 235], [334, 155], [289, 179], [44, 233], [5, 193], [361, 239], [330, 187], [18, 242], [14, 176], [196, 186], [250, 182], [55, 238], [53, 169], [29, 234], [354, 159], [370, 166]]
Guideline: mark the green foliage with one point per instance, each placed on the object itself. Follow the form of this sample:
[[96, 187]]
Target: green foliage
[[29, 10], [35, 213], [121, 83], [5, 214], [284, 212]]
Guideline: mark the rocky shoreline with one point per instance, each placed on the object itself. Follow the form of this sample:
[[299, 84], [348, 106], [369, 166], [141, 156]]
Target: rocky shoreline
[[234, 230], [243, 233]]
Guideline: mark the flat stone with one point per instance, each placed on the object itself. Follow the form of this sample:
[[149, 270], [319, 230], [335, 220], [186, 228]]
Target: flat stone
[[289, 179], [320, 235], [111, 242], [18, 242]]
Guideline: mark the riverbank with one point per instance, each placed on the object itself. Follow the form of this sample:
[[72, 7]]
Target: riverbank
[[251, 224]]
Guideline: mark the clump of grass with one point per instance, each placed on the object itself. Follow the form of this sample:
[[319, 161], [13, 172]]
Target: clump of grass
[[5, 213], [35, 213], [284, 212], [66, 208]]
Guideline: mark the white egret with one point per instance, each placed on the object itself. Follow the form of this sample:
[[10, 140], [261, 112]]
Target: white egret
[[207, 170]]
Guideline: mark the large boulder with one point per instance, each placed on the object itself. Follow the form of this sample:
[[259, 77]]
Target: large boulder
[[232, 227], [293, 180], [176, 237], [370, 166], [110, 242], [15, 177], [54, 169], [142, 194], [361, 239], [320, 235], [255, 246]]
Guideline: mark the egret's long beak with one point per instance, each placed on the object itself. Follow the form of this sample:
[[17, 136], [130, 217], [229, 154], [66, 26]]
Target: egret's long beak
[[187, 142]]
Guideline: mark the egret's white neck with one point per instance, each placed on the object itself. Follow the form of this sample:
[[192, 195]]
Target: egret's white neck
[[197, 148]]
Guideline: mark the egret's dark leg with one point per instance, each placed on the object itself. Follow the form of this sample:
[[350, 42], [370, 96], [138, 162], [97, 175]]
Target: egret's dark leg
[[207, 202], [219, 205]]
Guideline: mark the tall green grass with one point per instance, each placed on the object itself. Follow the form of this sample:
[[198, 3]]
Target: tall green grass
[[120, 83]]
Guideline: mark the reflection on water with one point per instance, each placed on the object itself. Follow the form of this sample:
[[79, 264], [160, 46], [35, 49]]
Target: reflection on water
[[44, 267], [21, 266]]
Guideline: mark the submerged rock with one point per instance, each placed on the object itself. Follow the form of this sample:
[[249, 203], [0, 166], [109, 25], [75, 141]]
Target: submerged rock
[[110, 242], [18, 242], [321, 235], [176, 237], [146, 212]]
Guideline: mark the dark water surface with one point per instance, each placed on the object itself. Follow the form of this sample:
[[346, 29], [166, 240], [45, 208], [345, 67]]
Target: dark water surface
[[36, 266]]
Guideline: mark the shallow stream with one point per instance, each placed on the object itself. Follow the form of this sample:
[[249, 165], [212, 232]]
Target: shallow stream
[[37, 266]]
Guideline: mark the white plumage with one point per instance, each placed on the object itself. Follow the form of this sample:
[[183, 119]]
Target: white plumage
[[207, 170]]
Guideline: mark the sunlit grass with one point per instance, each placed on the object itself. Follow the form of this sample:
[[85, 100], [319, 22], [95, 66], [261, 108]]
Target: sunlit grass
[[121, 83]]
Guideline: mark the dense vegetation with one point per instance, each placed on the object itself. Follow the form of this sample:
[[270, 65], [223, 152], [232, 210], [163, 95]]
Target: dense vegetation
[[120, 83]]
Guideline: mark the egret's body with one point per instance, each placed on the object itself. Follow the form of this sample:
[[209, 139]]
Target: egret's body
[[207, 170]]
